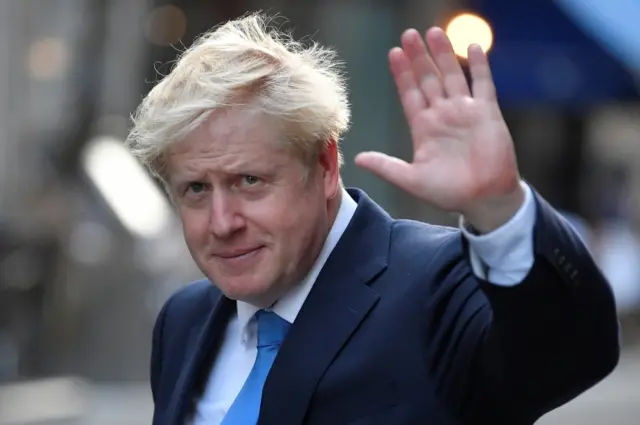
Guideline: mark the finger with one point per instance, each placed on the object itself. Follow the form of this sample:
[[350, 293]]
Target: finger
[[410, 95], [391, 169], [482, 81], [424, 68], [455, 83]]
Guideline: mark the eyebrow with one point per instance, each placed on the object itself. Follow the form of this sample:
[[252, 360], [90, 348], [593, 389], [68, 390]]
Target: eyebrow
[[246, 167]]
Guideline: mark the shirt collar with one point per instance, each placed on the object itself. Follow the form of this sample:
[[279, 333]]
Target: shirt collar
[[290, 304]]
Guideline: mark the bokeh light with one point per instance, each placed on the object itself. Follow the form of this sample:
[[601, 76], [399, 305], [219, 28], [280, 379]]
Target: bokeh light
[[466, 29]]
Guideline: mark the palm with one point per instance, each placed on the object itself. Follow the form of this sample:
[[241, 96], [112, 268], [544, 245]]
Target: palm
[[462, 149]]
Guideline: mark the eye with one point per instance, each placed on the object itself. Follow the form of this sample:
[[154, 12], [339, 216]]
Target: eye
[[196, 187], [250, 180]]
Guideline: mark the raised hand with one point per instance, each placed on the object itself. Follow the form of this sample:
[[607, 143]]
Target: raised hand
[[463, 154]]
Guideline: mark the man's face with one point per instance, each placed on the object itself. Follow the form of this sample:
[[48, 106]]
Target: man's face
[[254, 216]]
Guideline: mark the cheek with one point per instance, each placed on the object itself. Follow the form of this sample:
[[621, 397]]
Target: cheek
[[267, 220], [289, 217], [194, 227], [300, 223], [278, 220]]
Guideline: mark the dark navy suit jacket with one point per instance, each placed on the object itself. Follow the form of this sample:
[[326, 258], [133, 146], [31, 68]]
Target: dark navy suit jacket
[[397, 330]]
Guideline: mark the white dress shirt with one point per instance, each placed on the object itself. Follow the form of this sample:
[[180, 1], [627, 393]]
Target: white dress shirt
[[506, 254]]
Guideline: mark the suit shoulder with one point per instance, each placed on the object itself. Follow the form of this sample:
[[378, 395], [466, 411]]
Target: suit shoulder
[[415, 234], [428, 252], [194, 291], [192, 297]]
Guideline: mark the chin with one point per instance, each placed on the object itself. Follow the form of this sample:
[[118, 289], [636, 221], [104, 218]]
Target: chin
[[256, 293]]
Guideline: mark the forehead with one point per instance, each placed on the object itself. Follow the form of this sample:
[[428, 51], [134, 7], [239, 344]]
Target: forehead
[[231, 127], [228, 138]]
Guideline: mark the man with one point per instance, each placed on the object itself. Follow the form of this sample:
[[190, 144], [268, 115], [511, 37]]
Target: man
[[318, 307]]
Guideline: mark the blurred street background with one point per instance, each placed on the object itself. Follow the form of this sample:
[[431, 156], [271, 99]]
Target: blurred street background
[[90, 248]]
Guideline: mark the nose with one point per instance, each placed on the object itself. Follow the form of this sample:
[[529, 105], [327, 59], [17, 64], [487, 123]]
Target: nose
[[225, 217]]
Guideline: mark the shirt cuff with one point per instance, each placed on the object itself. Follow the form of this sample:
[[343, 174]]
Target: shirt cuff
[[505, 256]]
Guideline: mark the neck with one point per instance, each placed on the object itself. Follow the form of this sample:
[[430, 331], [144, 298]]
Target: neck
[[333, 205]]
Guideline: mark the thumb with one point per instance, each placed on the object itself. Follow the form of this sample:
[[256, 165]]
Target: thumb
[[389, 168]]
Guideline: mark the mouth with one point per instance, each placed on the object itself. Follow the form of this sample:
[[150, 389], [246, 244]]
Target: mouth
[[238, 254]]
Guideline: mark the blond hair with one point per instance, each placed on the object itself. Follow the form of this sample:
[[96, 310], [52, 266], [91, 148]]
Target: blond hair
[[245, 63]]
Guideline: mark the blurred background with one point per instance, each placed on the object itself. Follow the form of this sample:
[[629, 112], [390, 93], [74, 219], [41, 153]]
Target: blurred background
[[90, 248]]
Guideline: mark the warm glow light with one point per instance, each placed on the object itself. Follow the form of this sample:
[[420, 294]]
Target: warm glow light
[[126, 187], [467, 29]]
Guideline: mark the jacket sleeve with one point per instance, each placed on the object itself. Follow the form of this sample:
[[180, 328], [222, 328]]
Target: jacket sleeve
[[526, 349]]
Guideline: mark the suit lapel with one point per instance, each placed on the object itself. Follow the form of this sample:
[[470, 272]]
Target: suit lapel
[[338, 303], [202, 344]]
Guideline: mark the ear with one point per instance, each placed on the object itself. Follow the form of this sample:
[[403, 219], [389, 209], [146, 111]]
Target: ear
[[328, 160]]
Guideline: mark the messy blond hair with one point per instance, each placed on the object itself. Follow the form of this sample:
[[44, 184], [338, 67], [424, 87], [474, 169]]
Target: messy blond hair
[[245, 63]]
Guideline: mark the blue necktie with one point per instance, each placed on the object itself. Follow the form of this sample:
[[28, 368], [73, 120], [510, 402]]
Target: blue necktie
[[246, 407]]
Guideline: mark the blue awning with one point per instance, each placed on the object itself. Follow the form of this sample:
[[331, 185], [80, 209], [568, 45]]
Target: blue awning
[[612, 23], [541, 55]]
